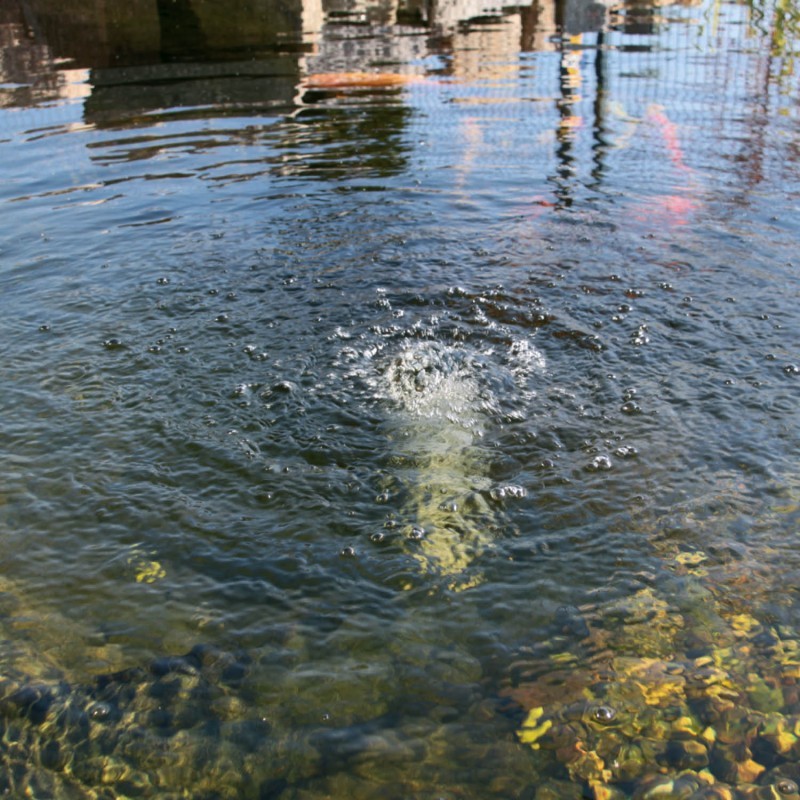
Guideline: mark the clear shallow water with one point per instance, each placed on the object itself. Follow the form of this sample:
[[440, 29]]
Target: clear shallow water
[[535, 294]]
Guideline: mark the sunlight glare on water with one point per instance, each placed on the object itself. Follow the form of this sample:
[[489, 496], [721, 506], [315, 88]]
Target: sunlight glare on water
[[399, 400]]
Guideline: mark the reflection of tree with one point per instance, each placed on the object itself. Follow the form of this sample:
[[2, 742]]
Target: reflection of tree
[[778, 24], [349, 141], [779, 20]]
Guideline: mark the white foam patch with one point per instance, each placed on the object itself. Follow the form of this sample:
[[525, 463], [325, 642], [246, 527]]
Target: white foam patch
[[435, 381], [525, 359]]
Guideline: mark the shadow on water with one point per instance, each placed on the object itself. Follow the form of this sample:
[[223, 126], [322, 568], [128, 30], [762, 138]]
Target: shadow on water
[[182, 35]]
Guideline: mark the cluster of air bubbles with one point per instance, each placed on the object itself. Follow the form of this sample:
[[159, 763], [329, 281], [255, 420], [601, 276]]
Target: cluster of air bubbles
[[622, 310], [525, 359], [101, 711], [244, 391], [639, 337], [252, 352], [601, 463], [508, 492], [454, 380], [431, 379], [605, 715], [629, 403], [416, 534], [382, 301]]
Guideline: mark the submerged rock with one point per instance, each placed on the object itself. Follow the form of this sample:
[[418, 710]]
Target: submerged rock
[[643, 712], [141, 732]]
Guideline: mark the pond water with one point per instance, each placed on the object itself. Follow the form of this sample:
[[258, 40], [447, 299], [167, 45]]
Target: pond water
[[399, 401]]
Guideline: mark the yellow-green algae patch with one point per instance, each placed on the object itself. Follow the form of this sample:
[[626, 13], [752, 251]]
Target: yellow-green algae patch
[[641, 714]]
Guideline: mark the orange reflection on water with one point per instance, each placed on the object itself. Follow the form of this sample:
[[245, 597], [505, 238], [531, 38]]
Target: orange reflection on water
[[359, 80], [667, 211], [673, 209]]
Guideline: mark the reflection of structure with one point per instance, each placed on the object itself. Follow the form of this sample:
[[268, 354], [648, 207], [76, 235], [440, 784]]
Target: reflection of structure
[[27, 73], [107, 35], [147, 55], [103, 33], [143, 42], [583, 16], [480, 41], [579, 101]]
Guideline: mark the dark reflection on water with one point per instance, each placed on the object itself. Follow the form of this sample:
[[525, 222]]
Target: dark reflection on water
[[399, 400]]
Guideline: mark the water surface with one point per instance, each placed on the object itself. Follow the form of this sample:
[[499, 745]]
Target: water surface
[[395, 394]]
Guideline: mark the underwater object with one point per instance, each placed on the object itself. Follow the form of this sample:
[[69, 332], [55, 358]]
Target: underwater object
[[444, 396]]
